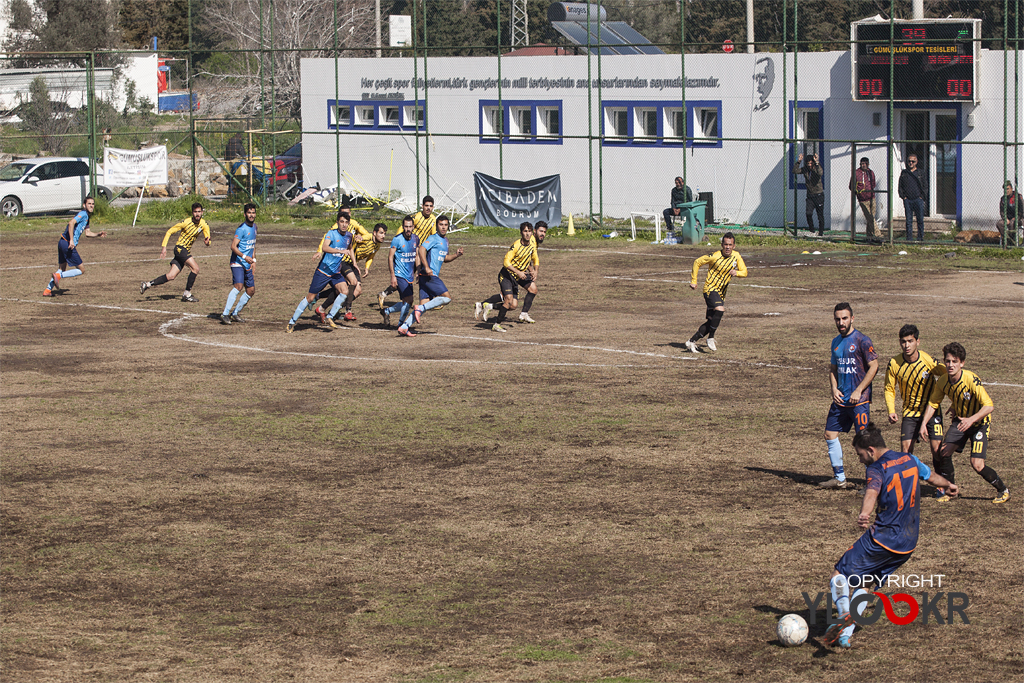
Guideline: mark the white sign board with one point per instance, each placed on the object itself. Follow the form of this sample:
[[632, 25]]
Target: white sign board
[[135, 168], [400, 30]]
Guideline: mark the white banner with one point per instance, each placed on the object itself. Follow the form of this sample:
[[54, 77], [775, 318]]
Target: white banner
[[135, 168]]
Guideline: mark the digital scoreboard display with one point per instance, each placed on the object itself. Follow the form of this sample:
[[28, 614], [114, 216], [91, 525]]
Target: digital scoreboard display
[[931, 60]]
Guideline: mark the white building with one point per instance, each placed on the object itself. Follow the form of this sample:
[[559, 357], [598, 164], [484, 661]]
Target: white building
[[367, 109]]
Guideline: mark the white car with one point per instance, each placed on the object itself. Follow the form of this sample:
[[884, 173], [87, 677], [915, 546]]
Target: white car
[[45, 184]]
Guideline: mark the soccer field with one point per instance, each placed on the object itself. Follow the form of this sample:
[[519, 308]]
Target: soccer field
[[580, 499]]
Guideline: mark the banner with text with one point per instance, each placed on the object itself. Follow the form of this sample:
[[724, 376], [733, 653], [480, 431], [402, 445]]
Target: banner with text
[[134, 168], [510, 202]]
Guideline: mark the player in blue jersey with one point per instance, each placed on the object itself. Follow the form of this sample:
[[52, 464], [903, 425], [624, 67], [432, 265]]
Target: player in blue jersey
[[433, 254], [337, 244], [402, 264], [854, 364], [243, 256], [67, 246], [892, 485]]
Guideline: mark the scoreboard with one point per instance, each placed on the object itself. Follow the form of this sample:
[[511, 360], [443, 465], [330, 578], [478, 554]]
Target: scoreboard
[[931, 60]]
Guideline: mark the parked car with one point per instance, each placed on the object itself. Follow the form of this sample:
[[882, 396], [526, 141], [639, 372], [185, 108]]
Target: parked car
[[45, 184]]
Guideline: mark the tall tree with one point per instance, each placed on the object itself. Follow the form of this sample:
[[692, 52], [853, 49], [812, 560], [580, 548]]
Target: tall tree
[[64, 26]]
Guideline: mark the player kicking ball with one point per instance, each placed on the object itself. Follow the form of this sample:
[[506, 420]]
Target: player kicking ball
[[888, 542]]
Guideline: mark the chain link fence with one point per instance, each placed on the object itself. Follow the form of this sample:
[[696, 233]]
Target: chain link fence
[[335, 99]]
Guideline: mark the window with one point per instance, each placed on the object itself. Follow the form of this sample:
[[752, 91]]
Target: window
[[675, 124], [413, 116], [548, 121], [663, 123], [364, 116], [705, 124], [809, 130], [389, 116], [645, 125], [375, 114], [616, 122], [521, 122], [72, 169], [342, 115]]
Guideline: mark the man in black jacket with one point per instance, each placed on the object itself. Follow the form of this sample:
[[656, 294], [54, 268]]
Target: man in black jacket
[[680, 195], [815, 201], [913, 190]]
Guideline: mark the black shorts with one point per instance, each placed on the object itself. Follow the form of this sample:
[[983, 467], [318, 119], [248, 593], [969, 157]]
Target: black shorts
[[713, 300], [509, 283], [181, 254], [346, 267], [976, 436], [910, 428]]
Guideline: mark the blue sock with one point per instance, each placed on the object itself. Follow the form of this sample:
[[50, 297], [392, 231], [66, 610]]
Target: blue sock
[[835, 455], [298, 311], [840, 588], [337, 305], [393, 308], [74, 272], [405, 316], [861, 606], [434, 303], [242, 301], [232, 296]]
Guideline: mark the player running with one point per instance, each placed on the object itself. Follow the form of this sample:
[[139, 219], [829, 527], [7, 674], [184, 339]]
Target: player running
[[484, 308], [424, 224], [854, 364], [189, 229], [516, 271], [913, 372], [402, 264], [972, 409], [242, 259], [432, 255], [67, 246], [365, 248], [337, 244], [892, 486], [723, 265]]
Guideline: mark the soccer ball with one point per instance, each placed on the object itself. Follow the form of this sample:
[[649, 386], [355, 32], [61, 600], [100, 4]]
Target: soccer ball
[[792, 630]]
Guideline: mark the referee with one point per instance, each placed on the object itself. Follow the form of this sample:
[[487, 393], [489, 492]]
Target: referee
[[189, 230]]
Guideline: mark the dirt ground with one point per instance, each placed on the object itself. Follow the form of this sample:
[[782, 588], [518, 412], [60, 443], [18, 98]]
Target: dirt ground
[[576, 500]]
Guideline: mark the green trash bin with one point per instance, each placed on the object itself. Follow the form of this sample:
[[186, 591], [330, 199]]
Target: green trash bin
[[691, 216]]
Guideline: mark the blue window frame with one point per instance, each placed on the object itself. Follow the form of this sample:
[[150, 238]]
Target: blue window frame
[[807, 127], [645, 123], [521, 122], [375, 114]]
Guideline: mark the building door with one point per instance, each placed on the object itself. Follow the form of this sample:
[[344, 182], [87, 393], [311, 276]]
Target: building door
[[945, 164], [917, 131], [932, 136]]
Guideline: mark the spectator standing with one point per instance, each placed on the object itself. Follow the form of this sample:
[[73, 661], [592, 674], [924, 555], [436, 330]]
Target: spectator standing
[[815, 201], [913, 190], [863, 185]]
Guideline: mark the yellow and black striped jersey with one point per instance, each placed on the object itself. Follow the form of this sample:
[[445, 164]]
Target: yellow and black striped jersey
[[365, 249], [914, 380], [424, 226], [189, 231], [520, 256], [719, 271], [967, 394]]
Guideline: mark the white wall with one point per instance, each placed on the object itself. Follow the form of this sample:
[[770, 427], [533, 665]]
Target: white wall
[[747, 178]]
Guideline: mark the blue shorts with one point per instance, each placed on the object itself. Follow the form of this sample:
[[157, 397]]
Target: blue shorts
[[242, 275], [404, 289], [322, 280], [842, 418], [65, 254], [431, 287], [866, 557]]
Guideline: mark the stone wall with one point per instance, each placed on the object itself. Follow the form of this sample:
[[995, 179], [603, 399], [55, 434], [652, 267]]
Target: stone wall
[[210, 179]]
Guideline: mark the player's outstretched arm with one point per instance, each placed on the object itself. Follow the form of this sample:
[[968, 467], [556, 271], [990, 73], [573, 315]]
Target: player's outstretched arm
[[866, 507]]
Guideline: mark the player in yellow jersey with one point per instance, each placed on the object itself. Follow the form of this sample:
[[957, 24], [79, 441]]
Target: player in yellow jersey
[[913, 372], [972, 410], [424, 224], [484, 308], [189, 229], [722, 266], [517, 271]]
